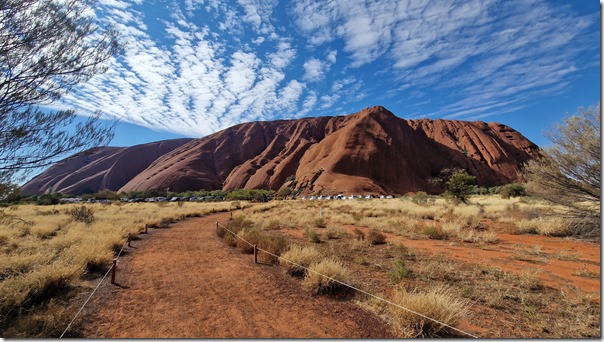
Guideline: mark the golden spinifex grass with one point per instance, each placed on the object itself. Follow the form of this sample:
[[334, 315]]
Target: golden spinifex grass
[[296, 258], [439, 303], [404, 217], [46, 251]]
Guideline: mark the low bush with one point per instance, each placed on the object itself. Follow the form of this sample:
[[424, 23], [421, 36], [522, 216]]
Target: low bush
[[302, 256], [320, 223], [359, 235], [334, 233], [320, 278], [399, 271], [313, 236], [375, 237], [228, 231], [439, 303], [420, 198], [82, 214], [274, 244], [252, 236], [512, 190], [273, 225], [436, 233]]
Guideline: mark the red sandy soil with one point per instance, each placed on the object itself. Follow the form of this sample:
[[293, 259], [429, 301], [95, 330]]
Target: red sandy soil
[[182, 282], [525, 253]]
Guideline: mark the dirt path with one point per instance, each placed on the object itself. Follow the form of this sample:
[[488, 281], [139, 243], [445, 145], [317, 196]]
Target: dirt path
[[182, 282]]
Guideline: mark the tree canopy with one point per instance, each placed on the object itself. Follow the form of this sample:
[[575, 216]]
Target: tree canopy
[[570, 172], [46, 48]]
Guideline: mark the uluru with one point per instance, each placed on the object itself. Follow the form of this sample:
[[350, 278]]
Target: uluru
[[372, 151]]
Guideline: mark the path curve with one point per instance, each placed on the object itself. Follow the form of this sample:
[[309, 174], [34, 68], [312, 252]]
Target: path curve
[[182, 282]]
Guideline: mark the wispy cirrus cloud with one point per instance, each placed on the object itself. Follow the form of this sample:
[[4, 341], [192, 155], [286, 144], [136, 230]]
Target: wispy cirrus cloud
[[197, 66], [481, 48]]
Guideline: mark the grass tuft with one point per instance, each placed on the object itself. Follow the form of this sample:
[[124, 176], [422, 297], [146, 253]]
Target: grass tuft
[[439, 303], [375, 237], [327, 268], [303, 256]]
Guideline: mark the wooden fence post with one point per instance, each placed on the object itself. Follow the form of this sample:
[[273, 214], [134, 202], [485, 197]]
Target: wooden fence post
[[129, 238], [146, 225], [231, 215], [113, 269], [255, 254]]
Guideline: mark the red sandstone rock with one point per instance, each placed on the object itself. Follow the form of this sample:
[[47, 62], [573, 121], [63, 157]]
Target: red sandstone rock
[[372, 151], [99, 168]]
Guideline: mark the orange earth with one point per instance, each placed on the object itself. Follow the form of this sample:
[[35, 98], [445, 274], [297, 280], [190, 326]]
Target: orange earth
[[183, 282]]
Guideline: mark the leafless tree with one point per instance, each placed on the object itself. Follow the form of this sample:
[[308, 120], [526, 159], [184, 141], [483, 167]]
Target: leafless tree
[[46, 48], [570, 172]]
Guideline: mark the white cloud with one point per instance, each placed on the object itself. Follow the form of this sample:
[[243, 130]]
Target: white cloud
[[331, 56], [241, 61], [314, 70], [510, 48]]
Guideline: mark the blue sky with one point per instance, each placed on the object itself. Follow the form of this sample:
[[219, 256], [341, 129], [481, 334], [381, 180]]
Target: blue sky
[[194, 67]]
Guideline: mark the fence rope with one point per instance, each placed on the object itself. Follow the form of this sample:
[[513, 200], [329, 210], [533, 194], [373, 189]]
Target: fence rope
[[93, 291], [357, 289], [235, 235]]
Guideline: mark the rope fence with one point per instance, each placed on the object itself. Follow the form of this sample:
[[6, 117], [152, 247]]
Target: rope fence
[[256, 249], [111, 269]]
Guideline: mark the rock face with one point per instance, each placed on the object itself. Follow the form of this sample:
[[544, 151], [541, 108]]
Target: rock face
[[372, 151], [99, 168]]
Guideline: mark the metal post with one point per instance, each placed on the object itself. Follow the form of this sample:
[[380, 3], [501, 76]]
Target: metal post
[[321, 212], [255, 254], [129, 238], [113, 269]]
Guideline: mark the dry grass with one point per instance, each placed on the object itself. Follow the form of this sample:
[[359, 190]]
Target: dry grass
[[507, 304], [552, 226], [320, 277], [300, 257], [439, 303], [405, 218], [51, 251]]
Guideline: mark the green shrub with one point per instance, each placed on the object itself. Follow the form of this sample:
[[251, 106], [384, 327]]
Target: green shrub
[[375, 237], [512, 190], [460, 185], [420, 198], [399, 271], [313, 236]]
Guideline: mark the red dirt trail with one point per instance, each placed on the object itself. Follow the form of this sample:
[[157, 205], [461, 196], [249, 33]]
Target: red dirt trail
[[182, 282]]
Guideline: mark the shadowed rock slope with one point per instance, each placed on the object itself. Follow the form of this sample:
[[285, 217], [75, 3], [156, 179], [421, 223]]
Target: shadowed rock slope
[[99, 168], [372, 151]]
